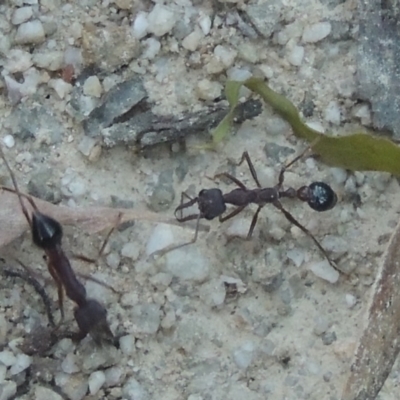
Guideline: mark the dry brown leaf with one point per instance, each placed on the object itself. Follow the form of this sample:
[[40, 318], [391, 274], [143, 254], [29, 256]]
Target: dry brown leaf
[[379, 344], [90, 219]]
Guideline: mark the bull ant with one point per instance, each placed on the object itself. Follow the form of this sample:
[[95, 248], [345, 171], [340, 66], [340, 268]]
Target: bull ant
[[212, 202], [47, 234]]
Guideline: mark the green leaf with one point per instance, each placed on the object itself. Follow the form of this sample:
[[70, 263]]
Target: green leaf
[[358, 151]]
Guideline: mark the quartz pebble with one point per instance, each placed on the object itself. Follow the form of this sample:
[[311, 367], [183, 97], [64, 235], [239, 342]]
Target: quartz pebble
[[18, 61], [205, 24], [9, 141], [30, 32], [7, 358], [22, 362], [332, 113], [140, 26], [92, 87], [8, 389], [96, 381], [315, 33], [351, 300], [296, 55], [244, 355], [160, 238], [192, 41], [133, 390], [130, 250], [50, 60], [325, 271], [21, 15], [69, 365], [161, 20]]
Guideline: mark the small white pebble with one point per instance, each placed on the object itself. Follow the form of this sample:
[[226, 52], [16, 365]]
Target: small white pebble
[[140, 25], [69, 365], [9, 141], [296, 256], [18, 61], [127, 344], [21, 15], [332, 113], [152, 47], [244, 355], [7, 358], [225, 54], [130, 250], [315, 33], [296, 55], [350, 300], [325, 271], [96, 381], [92, 87], [161, 20], [205, 24], [160, 238], [339, 175], [192, 41], [61, 87], [21, 364], [30, 32], [208, 90]]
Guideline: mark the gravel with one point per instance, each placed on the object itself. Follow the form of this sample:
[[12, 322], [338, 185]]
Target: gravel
[[224, 317]]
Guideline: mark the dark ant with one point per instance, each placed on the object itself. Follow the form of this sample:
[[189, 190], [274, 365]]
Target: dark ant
[[47, 234], [212, 202]]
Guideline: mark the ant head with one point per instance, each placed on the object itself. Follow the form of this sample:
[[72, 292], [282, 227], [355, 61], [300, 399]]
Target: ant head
[[211, 203], [319, 196], [92, 319], [46, 231]]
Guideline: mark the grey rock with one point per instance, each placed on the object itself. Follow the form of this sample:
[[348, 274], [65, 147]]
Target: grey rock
[[118, 101], [273, 282], [39, 187], [328, 338], [378, 60], [276, 152], [265, 17], [39, 122]]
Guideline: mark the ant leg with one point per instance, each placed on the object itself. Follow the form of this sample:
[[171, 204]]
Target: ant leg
[[292, 220], [236, 211], [28, 278], [245, 156], [183, 205], [232, 178], [297, 158], [167, 249], [57, 280], [103, 246], [253, 222]]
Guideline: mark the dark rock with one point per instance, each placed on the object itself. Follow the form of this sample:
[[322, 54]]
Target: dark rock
[[378, 62]]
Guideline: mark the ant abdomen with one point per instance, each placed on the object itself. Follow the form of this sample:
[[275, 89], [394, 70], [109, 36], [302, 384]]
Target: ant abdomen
[[91, 318], [319, 196], [46, 231]]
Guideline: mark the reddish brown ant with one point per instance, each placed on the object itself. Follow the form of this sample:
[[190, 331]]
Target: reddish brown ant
[[47, 234]]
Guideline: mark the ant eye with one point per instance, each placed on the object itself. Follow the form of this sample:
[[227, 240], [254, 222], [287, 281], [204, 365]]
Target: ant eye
[[46, 231], [321, 196]]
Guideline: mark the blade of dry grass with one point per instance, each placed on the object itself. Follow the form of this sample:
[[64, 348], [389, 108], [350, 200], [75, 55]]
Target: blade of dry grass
[[379, 344]]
